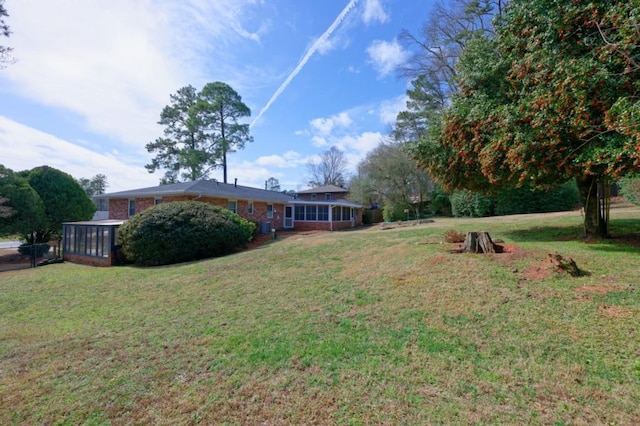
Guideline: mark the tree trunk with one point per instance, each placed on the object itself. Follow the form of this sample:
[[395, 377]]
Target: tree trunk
[[595, 202], [478, 242]]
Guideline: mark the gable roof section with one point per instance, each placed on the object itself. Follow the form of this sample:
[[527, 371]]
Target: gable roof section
[[323, 189], [205, 188]]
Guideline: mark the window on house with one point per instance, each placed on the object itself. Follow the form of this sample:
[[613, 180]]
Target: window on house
[[250, 207], [269, 211], [327, 196], [233, 206], [102, 205], [337, 216], [346, 213], [132, 207], [310, 213], [314, 197], [299, 212], [157, 201], [323, 213]]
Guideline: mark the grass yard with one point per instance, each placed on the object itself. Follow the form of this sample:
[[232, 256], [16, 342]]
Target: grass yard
[[360, 327]]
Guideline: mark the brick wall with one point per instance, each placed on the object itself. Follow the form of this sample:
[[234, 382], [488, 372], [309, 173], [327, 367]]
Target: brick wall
[[119, 208], [87, 260]]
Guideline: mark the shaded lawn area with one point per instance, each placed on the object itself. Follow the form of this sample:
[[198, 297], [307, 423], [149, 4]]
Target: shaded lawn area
[[356, 327]]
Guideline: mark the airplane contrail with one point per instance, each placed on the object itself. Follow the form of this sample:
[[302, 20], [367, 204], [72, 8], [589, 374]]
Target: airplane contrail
[[306, 57]]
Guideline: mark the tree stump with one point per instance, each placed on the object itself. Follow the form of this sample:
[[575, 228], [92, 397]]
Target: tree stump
[[564, 264], [478, 242]]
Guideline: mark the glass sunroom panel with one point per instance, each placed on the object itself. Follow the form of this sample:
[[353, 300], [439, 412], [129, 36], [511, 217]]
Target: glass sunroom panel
[[346, 213], [337, 214], [81, 237], [323, 213], [91, 240], [106, 242], [311, 213]]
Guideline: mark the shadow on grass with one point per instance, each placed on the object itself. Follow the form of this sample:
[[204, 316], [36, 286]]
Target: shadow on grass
[[546, 233], [625, 235]]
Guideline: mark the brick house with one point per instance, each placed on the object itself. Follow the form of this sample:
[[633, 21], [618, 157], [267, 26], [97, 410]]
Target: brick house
[[271, 209]]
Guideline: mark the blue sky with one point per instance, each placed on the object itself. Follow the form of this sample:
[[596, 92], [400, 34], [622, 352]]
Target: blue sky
[[91, 78]]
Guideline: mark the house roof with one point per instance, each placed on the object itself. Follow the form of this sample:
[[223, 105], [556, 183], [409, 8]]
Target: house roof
[[323, 189], [343, 203], [102, 222], [209, 188]]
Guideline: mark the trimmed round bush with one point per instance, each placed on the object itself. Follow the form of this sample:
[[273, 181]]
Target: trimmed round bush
[[182, 231]]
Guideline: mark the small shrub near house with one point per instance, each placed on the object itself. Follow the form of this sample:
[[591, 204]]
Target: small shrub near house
[[36, 250], [182, 231]]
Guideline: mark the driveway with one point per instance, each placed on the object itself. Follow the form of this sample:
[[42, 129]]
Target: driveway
[[9, 244]]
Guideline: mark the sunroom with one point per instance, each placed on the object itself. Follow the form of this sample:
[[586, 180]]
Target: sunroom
[[91, 242], [325, 215]]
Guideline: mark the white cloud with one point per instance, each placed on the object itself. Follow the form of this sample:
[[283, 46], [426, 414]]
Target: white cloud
[[287, 160], [386, 56], [359, 144], [373, 11], [291, 156], [326, 125], [389, 109], [115, 63], [319, 141], [38, 148]]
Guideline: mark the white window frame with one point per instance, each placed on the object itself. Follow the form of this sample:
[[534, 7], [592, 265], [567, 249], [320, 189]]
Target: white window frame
[[235, 206], [249, 207], [270, 211]]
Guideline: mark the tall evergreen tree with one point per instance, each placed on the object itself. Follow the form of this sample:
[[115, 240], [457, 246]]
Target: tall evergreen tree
[[201, 128], [222, 109]]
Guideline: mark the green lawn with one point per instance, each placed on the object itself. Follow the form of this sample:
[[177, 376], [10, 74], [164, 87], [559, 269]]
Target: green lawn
[[360, 327]]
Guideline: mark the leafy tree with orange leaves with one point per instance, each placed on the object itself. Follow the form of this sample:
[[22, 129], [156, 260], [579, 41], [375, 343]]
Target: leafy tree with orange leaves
[[551, 97]]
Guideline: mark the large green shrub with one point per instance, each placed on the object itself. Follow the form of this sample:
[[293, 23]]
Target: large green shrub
[[525, 200], [467, 203], [515, 201], [440, 202], [182, 231], [630, 188], [393, 212]]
